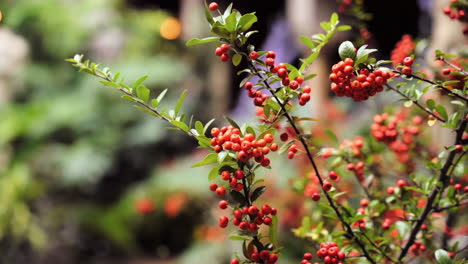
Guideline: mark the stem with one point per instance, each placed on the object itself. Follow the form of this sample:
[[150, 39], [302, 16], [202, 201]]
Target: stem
[[378, 248], [416, 103], [435, 84], [454, 66], [348, 228], [443, 179]]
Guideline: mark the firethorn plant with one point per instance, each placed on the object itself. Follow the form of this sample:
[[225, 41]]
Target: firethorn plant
[[393, 218]]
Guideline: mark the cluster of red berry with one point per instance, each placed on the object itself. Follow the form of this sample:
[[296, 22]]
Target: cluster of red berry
[[418, 248], [264, 256], [354, 146], [367, 83], [402, 49], [358, 169], [331, 253], [250, 218], [258, 96], [458, 12], [406, 69], [344, 5], [229, 138], [392, 131], [307, 258], [282, 72], [222, 52]]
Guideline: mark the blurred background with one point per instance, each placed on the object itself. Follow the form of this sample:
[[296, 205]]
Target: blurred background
[[86, 178]]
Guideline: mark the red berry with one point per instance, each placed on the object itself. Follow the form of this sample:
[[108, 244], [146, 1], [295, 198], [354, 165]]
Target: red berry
[[406, 70], [213, 6], [364, 202], [253, 55], [234, 261], [308, 256], [223, 221], [224, 57], [223, 204], [284, 136], [270, 61], [333, 175], [271, 54], [225, 48], [316, 196], [220, 191], [213, 187], [446, 71], [390, 190], [401, 183], [267, 220], [327, 186], [218, 51], [408, 61]]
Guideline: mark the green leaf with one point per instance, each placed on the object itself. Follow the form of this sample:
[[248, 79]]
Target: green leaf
[[227, 11], [222, 156], [273, 229], [332, 136], [307, 41], [326, 26], [139, 81], [180, 102], [430, 104], [257, 193], [346, 50], [362, 54], [441, 110], [180, 125], [402, 227], [146, 111], [334, 19], [208, 159], [236, 59], [231, 22], [128, 97], [344, 28], [246, 22], [157, 101], [232, 122], [239, 238], [143, 92], [442, 257], [408, 103], [199, 127], [197, 41], [208, 15], [238, 197], [110, 84], [219, 29], [214, 172], [207, 125]]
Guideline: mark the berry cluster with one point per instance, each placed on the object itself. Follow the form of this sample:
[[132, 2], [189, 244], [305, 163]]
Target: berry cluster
[[264, 256], [457, 12], [358, 84], [306, 258], [358, 169], [229, 138], [418, 248], [331, 253], [282, 72], [402, 49], [392, 131], [344, 5], [354, 146], [452, 74], [222, 52], [407, 63], [250, 217], [258, 96]]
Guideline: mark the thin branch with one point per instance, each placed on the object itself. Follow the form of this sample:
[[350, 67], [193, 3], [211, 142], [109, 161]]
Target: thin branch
[[348, 228], [434, 84], [454, 66], [425, 109], [443, 178], [377, 247]]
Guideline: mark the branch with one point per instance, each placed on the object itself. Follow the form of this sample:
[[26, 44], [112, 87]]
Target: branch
[[435, 84], [443, 179], [425, 109], [348, 228]]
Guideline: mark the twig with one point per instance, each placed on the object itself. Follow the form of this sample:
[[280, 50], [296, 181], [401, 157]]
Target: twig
[[348, 228], [443, 178], [434, 84], [425, 109]]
